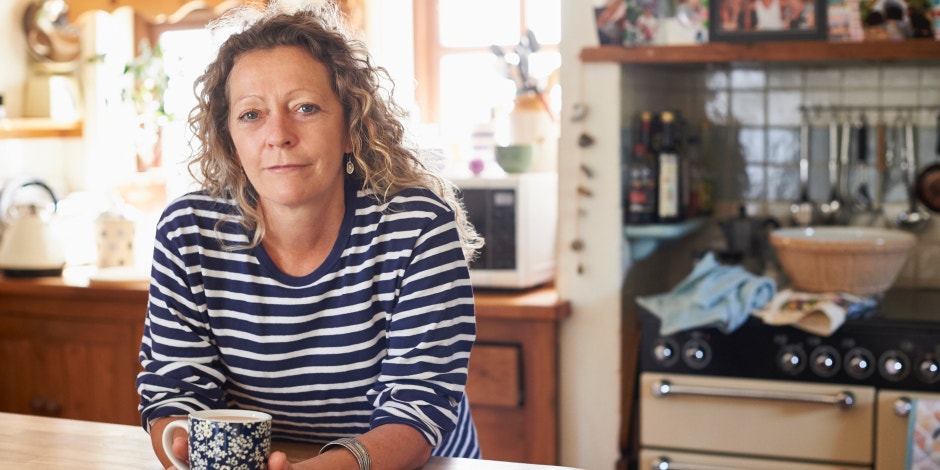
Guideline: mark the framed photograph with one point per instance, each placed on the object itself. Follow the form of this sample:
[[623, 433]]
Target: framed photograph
[[767, 20]]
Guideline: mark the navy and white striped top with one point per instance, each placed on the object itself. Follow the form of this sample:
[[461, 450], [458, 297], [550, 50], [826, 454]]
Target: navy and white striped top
[[380, 333]]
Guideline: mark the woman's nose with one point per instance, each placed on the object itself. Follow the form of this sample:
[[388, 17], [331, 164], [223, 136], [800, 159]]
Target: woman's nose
[[280, 130]]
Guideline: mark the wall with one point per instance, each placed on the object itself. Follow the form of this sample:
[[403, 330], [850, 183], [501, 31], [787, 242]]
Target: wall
[[754, 118], [589, 269], [12, 55]]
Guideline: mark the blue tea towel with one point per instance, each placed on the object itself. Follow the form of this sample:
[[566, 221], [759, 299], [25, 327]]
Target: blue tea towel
[[712, 295]]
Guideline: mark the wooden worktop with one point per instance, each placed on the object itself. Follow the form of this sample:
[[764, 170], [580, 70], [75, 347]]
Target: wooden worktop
[[34, 442], [539, 303]]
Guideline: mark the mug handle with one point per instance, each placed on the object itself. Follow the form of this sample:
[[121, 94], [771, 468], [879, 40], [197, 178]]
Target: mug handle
[[168, 442]]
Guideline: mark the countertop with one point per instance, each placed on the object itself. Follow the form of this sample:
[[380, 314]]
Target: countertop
[[540, 303], [34, 442]]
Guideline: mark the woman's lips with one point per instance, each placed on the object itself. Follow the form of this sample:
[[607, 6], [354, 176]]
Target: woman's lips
[[283, 168]]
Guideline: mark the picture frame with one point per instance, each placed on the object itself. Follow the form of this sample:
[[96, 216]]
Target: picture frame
[[784, 20]]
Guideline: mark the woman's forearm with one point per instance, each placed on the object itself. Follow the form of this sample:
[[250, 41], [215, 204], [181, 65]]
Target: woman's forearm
[[390, 446]]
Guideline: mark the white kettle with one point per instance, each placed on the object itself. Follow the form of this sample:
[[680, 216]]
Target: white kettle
[[28, 247]]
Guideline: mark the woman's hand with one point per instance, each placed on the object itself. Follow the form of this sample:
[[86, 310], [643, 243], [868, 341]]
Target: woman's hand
[[180, 448], [278, 461]]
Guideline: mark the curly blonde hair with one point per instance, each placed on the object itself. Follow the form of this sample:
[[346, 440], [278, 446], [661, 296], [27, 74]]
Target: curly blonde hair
[[374, 121]]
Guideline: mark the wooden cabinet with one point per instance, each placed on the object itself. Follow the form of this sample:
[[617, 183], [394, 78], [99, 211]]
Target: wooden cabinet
[[70, 350], [513, 380]]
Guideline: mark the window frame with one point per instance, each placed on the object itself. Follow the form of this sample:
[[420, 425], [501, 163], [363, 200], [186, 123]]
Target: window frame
[[429, 52]]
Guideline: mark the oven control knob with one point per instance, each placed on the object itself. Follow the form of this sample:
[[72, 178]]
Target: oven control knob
[[894, 365], [696, 353], [929, 369], [665, 352], [859, 363], [825, 361], [792, 360]]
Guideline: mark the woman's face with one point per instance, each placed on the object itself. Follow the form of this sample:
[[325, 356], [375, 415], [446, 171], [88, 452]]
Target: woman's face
[[288, 127]]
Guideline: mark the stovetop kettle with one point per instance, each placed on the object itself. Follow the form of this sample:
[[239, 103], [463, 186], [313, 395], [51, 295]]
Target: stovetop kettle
[[28, 247]]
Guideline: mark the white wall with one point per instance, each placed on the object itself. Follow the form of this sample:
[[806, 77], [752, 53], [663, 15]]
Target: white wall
[[589, 278], [13, 55]]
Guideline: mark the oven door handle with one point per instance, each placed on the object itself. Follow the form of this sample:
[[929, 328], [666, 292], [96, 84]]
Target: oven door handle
[[844, 399], [664, 463], [903, 407]]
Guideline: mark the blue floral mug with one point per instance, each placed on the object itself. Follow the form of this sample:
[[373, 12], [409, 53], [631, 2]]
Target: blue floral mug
[[223, 439]]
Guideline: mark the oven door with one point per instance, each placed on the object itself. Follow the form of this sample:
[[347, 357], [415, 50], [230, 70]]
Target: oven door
[[657, 459], [894, 408], [758, 418]]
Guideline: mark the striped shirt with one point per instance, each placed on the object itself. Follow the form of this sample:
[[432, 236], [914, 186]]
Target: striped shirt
[[380, 333]]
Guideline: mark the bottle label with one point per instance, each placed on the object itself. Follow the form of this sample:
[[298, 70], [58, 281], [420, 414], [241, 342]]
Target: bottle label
[[668, 185]]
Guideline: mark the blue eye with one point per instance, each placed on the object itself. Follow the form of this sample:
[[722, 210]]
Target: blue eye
[[249, 116], [309, 108]]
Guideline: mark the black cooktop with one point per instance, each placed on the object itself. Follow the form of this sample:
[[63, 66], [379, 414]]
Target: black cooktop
[[910, 305], [897, 346]]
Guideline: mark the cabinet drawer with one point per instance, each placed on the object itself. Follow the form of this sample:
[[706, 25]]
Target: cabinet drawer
[[495, 375]]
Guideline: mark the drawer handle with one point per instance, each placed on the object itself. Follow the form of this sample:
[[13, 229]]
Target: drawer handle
[[663, 463], [843, 400]]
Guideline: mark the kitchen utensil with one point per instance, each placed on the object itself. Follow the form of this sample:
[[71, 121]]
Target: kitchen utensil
[[49, 36], [804, 212], [863, 199], [29, 247], [833, 209], [912, 219], [54, 46], [746, 240], [881, 157], [927, 185], [857, 260]]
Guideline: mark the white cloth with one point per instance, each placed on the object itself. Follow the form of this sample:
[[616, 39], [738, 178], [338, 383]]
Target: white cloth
[[769, 16]]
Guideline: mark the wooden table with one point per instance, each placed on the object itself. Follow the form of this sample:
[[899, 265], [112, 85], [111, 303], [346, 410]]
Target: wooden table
[[35, 442]]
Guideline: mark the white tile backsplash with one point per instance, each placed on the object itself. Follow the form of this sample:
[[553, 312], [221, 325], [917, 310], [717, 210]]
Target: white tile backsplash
[[747, 108], [861, 77], [901, 77], [755, 116], [780, 109], [784, 78], [742, 78], [827, 78]]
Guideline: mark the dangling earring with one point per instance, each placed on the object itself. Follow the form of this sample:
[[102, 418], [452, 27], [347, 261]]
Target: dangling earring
[[350, 168]]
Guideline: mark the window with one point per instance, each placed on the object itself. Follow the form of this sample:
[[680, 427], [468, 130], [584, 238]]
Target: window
[[460, 80]]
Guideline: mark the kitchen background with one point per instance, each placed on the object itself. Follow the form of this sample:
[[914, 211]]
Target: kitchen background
[[752, 147]]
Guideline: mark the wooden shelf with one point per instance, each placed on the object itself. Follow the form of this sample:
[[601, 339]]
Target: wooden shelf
[[31, 128], [783, 51]]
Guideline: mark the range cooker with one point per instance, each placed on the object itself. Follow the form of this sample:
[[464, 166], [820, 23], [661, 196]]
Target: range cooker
[[778, 397]]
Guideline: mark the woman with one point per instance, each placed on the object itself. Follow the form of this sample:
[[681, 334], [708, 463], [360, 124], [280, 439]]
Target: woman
[[320, 275]]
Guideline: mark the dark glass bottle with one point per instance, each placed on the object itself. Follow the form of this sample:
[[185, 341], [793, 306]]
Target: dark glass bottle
[[670, 191], [642, 194]]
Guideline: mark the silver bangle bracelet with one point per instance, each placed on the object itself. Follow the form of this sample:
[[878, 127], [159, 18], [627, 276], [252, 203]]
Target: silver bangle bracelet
[[355, 447]]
